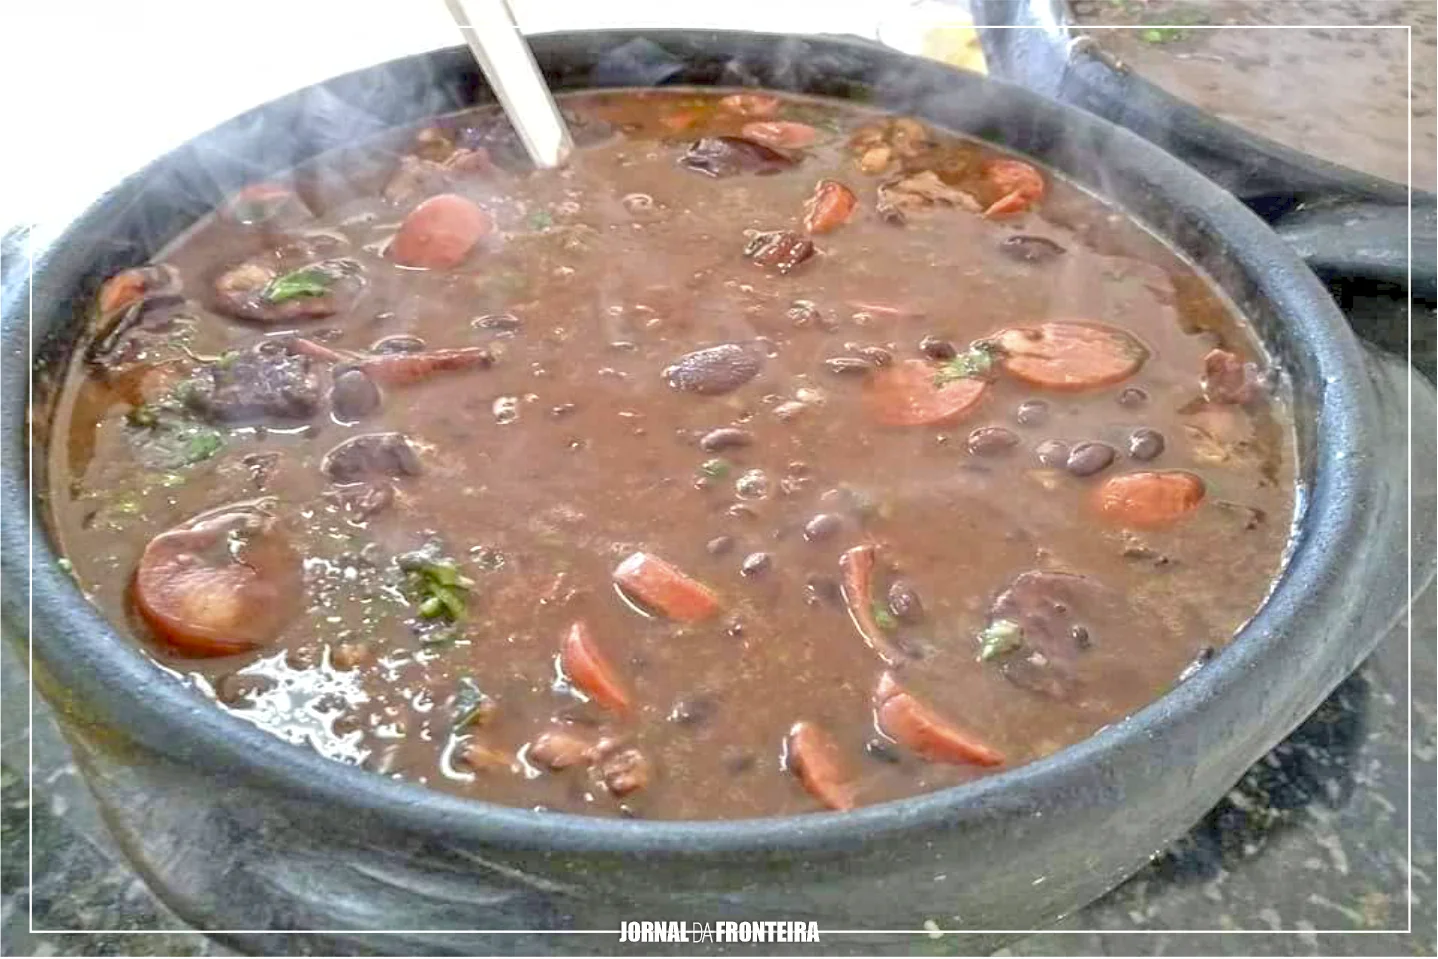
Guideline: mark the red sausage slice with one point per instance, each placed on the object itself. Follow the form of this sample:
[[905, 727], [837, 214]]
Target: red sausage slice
[[1070, 356], [586, 667], [910, 723], [665, 589], [910, 394], [812, 755], [439, 233], [224, 583]]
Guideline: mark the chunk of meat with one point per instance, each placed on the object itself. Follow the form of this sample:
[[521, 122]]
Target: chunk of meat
[[371, 456], [731, 156], [225, 582], [417, 177], [781, 134], [264, 384], [1228, 379], [440, 233], [919, 191], [759, 106], [916, 393], [1046, 620], [911, 724], [779, 250], [585, 666], [716, 370], [1149, 499], [831, 206], [261, 291], [857, 568], [812, 755], [624, 771], [664, 589], [558, 749], [125, 324], [1018, 185], [1069, 356], [268, 205]]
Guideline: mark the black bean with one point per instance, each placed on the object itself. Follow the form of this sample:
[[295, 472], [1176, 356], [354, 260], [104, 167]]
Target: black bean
[[989, 440], [1145, 443], [819, 588], [496, 321], [1086, 459], [937, 348], [719, 545], [719, 369], [1031, 249], [822, 526], [848, 364], [755, 563], [1204, 657], [724, 438], [240, 689], [904, 601], [353, 396], [1052, 453], [883, 750], [1081, 637], [1132, 396], [694, 711], [401, 343], [1032, 413]]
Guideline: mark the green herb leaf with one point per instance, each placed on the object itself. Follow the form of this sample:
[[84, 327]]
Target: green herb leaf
[[65, 564], [472, 706], [715, 468], [541, 220], [309, 281], [1160, 35], [436, 583], [973, 363], [201, 445], [883, 617], [999, 637]]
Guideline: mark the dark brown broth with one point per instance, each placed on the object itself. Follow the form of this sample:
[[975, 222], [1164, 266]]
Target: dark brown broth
[[538, 511]]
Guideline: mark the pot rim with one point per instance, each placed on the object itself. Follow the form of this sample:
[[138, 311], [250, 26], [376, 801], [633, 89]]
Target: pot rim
[[120, 681]]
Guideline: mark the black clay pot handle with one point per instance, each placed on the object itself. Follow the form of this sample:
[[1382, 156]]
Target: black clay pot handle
[[1368, 241]]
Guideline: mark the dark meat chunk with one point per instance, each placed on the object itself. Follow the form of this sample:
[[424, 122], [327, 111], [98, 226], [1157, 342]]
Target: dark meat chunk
[[1031, 249], [718, 369], [730, 156], [373, 455], [899, 197], [418, 177], [1228, 379], [263, 384], [131, 315], [1044, 620], [779, 250], [265, 290]]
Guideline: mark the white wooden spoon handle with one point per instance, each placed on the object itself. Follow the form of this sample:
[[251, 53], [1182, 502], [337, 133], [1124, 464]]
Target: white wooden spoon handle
[[490, 30]]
